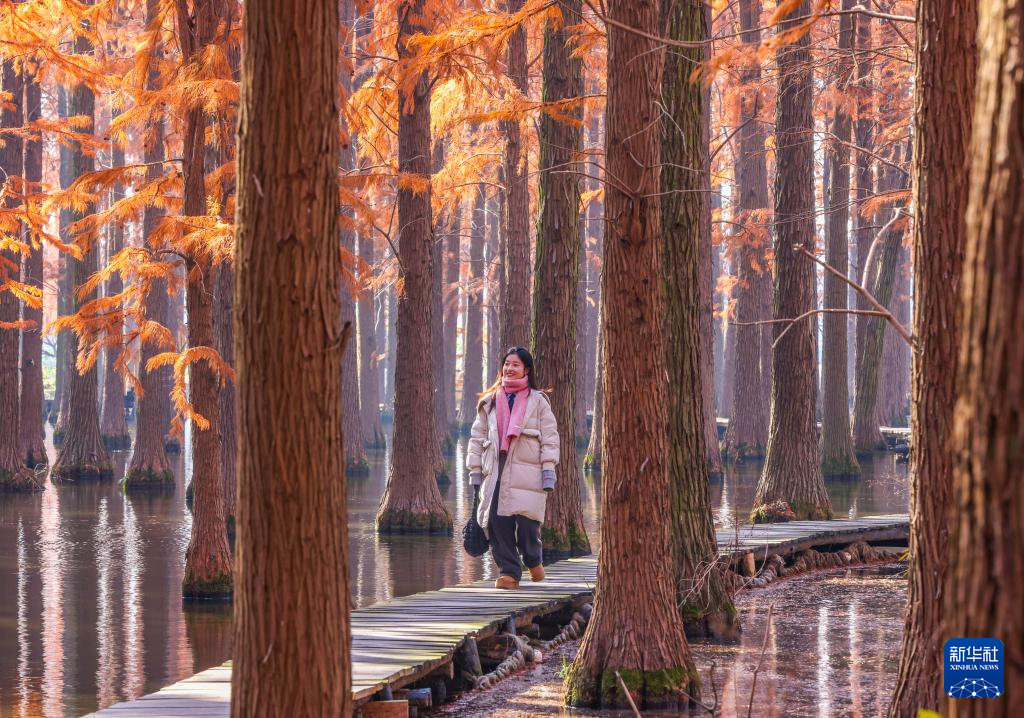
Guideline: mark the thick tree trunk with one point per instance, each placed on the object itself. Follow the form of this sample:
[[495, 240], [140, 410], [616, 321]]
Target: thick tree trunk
[[710, 329], [65, 302], [515, 296], [411, 501], [292, 638], [894, 374], [792, 469], [703, 588], [82, 455], [113, 425], [747, 434], [495, 209], [984, 586], [473, 344], [369, 367], [580, 431], [14, 475], [30, 419], [595, 234], [174, 321], [636, 632], [391, 351], [556, 281], [837, 455], [945, 74], [149, 466], [208, 561]]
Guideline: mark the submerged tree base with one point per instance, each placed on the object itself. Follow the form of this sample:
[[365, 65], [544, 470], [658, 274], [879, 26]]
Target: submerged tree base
[[560, 545], [70, 473], [664, 689], [722, 626], [148, 479], [172, 445], [840, 467], [36, 458], [743, 452], [781, 511], [357, 467], [117, 442], [399, 521], [19, 482], [218, 587]]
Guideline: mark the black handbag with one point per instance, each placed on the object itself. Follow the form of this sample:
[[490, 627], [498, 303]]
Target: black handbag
[[474, 540]]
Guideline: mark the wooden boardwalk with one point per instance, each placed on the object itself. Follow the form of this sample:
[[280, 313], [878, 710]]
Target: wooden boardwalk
[[398, 642]]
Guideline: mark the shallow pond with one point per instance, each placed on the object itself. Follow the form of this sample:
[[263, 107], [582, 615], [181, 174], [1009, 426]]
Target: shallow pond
[[90, 606]]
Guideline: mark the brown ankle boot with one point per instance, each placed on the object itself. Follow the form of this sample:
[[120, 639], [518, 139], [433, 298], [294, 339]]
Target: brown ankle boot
[[537, 572], [506, 582]]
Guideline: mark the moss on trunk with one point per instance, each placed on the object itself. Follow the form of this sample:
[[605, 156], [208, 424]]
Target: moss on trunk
[[559, 545], [147, 478], [21, 481], [664, 689], [217, 587], [398, 521], [86, 471]]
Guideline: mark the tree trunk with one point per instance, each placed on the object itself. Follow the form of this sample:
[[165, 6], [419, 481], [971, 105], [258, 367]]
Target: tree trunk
[[594, 455], [882, 264], [473, 345], [292, 638], [82, 455], [792, 468], [452, 267], [443, 444], [595, 233], [14, 475], [865, 185], [894, 379], [113, 426], [225, 323], [515, 298], [65, 302], [636, 632], [747, 434], [149, 466], [369, 366], [173, 322], [581, 434], [556, 281], [411, 501], [208, 561], [984, 586], [495, 209], [30, 420], [703, 588], [945, 74], [391, 351], [355, 446], [837, 456]]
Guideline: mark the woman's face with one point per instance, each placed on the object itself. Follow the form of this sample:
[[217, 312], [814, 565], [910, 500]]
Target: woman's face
[[513, 367]]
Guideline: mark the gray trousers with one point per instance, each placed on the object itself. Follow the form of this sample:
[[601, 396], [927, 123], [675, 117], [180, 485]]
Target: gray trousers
[[512, 537]]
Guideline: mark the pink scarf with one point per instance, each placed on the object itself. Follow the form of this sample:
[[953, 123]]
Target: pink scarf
[[510, 426]]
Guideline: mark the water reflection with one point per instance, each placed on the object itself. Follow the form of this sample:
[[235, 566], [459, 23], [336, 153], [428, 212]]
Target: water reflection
[[90, 585]]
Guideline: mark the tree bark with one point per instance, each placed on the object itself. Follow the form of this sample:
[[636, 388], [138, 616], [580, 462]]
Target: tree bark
[[82, 455], [592, 459], [837, 456], [983, 589], [556, 279], [411, 501], [792, 469], [14, 475], [225, 322], [473, 344], [113, 425], [30, 420], [208, 561], [636, 633], [149, 466], [452, 267], [515, 296], [65, 302], [747, 434], [495, 207], [703, 589], [945, 74], [292, 637], [443, 444]]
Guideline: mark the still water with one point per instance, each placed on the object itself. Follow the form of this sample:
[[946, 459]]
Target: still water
[[90, 604]]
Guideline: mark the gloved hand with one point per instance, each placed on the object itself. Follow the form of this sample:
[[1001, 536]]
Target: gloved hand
[[548, 479]]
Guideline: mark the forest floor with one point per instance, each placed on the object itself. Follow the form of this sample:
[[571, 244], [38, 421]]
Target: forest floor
[[832, 649]]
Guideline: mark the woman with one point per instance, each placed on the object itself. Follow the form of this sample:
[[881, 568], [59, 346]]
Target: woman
[[513, 449]]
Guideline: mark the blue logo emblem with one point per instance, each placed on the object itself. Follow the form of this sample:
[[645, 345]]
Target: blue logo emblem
[[974, 668]]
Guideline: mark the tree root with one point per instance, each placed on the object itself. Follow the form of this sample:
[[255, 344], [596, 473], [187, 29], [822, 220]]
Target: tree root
[[857, 553]]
